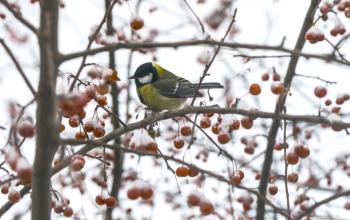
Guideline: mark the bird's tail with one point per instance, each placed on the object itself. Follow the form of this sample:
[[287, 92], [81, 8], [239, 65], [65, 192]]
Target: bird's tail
[[209, 85]]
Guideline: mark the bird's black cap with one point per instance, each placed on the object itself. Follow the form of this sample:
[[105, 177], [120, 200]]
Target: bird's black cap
[[143, 70]]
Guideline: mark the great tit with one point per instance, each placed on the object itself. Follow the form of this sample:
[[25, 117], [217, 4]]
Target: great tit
[[160, 89]]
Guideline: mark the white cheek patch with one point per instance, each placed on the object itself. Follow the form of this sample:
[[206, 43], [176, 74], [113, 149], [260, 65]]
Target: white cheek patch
[[145, 79]]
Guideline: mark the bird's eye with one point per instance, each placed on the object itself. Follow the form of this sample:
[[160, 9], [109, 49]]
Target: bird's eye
[[145, 79]]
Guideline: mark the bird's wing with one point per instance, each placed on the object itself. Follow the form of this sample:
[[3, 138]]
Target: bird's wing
[[176, 88]]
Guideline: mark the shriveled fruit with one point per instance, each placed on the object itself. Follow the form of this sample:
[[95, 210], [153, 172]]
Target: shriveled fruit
[[320, 91], [205, 122], [186, 130]]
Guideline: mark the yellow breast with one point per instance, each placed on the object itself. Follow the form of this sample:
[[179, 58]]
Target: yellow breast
[[156, 102]]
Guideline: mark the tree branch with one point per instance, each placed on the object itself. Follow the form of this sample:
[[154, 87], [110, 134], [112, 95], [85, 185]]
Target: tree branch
[[19, 16], [265, 174]]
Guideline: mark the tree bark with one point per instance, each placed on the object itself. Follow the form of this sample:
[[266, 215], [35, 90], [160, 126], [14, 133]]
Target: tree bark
[[47, 139]]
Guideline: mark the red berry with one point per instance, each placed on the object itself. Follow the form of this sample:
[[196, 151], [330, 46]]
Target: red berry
[[193, 199], [320, 91], [246, 122], [182, 171], [68, 211], [179, 143], [292, 158], [277, 88], [14, 196], [273, 190], [206, 207], [78, 163], [186, 130], [110, 201], [99, 200], [26, 129], [99, 131], [134, 193], [223, 138], [146, 193], [293, 177], [205, 122], [265, 77]]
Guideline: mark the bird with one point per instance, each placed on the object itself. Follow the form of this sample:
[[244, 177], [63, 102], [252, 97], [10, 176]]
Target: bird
[[159, 89]]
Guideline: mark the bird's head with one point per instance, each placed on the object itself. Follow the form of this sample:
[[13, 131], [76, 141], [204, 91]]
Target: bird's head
[[146, 73]]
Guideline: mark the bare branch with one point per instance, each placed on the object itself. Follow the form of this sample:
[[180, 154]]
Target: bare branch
[[19, 68], [19, 16]]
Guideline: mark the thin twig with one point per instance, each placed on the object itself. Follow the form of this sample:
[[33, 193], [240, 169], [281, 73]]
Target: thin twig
[[19, 16], [194, 13], [286, 165], [18, 66], [92, 38], [207, 67]]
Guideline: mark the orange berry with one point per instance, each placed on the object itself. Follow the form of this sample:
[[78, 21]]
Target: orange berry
[[134, 193], [216, 128], [14, 196], [223, 138], [179, 143], [74, 121], [186, 130], [152, 147], [206, 207], [110, 201], [101, 100], [205, 122], [235, 124], [102, 89], [236, 178], [82, 114], [68, 211], [80, 135], [292, 158], [99, 200], [320, 91], [146, 193], [137, 23], [246, 122], [5, 189], [293, 177], [26, 129], [301, 151], [193, 172], [255, 89], [88, 126], [182, 171], [99, 131], [193, 200], [277, 88], [77, 163]]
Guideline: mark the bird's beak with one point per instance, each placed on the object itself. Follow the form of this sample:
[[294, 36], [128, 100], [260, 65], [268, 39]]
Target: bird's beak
[[132, 77]]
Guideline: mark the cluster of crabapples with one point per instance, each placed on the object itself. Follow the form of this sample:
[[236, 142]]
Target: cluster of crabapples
[[195, 199], [141, 190], [314, 34], [62, 207], [72, 105]]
